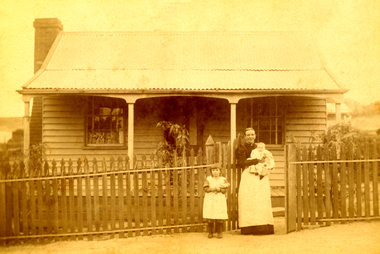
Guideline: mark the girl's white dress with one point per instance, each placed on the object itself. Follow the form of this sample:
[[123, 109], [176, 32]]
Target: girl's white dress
[[215, 204]]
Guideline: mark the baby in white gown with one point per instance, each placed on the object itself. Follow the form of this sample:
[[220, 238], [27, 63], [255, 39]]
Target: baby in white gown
[[265, 168]]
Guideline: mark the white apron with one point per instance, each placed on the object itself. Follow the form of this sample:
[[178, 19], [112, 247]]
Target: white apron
[[254, 200]]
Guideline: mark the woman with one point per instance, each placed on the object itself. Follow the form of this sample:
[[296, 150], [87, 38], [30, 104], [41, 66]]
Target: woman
[[254, 200]]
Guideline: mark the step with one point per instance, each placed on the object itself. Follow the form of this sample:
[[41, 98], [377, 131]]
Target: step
[[278, 211]]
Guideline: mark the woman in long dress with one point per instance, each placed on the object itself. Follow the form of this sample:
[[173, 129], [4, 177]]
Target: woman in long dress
[[254, 198]]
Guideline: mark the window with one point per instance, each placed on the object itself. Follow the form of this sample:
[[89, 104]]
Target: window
[[265, 116], [105, 121]]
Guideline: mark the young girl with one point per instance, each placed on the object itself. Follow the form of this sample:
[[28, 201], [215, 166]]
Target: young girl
[[215, 204]]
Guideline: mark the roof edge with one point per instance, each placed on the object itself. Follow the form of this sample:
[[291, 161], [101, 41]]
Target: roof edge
[[52, 50], [46, 61], [158, 32], [333, 78], [179, 91]]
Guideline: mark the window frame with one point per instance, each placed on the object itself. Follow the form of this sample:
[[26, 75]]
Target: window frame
[[275, 117], [120, 103]]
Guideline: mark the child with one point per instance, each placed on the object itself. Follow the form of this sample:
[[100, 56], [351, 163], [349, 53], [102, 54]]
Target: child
[[215, 204], [261, 169]]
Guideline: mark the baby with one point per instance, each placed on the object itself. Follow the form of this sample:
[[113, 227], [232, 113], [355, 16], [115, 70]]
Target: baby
[[261, 169]]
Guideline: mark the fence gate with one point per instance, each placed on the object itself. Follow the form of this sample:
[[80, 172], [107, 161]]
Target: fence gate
[[327, 185], [90, 199]]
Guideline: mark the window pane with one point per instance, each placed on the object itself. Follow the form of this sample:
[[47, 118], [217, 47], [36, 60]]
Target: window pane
[[264, 123], [105, 121], [264, 137]]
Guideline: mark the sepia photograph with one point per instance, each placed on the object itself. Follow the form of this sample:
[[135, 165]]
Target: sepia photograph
[[187, 126]]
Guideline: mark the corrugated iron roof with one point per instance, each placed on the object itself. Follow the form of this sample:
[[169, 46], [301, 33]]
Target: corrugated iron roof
[[177, 79], [196, 61]]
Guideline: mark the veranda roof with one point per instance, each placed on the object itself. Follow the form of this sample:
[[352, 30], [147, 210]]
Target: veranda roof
[[183, 61]]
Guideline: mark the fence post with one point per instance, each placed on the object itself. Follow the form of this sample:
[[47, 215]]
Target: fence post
[[2, 204], [209, 150], [290, 189]]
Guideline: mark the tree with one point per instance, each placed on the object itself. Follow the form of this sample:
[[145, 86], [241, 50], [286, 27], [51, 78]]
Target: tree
[[175, 138], [339, 134]]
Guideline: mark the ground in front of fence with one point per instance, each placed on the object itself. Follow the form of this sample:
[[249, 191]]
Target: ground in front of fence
[[337, 238]]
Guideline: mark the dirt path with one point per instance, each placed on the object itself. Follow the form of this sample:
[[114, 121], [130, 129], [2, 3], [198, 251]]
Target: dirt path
[[355, 237]]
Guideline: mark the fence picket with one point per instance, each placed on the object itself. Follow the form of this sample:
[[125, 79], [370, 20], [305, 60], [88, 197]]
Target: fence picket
[[88, 199], [175, 192], [33, 215], [104, 199], [227, 166], [201, 178], [71, 200], [305, 186], [24, 208], [230, 178], [113, 195], [366, 180], [167, 200], [375, 180], [9, 202], [319, 185], [299, 189], [47, 202], [80, 199], [95, 180], [40, 208], [153, 195], [358, 187], [184, 196], [55, 199], [129, 197], [335, 186], [144, 190], [343, 182], [160, 194], [16, 206], [311, 185], [351, 183], [121, 195], [3, 206], [184, 193], [327, 184], [192, 189], [136, 201]]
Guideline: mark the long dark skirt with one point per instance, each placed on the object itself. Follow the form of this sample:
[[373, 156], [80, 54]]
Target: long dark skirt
[[258, 230]]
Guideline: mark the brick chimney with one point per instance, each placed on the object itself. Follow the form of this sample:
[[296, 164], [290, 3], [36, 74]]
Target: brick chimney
[[46, 31]]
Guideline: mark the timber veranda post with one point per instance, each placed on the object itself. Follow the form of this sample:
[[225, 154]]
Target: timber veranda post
[[290, 188]]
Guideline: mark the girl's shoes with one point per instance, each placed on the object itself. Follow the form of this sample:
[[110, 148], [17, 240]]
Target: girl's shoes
[[219, 229], [210, 229]]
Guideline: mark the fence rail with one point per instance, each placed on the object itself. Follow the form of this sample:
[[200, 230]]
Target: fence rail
[[327, 185], [90, 199]]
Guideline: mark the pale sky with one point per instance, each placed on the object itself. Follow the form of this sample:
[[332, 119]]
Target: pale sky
[[347, 32]]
